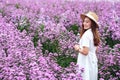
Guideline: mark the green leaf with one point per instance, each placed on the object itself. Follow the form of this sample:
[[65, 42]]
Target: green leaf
[[51, 46], [42, 27], [64, 61], [74, 28]]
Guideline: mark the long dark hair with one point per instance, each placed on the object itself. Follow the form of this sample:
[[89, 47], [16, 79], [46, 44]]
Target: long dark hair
[[95, 32]]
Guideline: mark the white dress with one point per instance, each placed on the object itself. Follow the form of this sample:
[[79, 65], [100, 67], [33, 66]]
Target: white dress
[[88, 62]]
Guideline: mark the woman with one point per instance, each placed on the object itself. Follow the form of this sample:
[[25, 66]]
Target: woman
[[89, 40]]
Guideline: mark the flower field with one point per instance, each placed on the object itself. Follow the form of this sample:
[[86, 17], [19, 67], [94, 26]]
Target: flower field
[[37, 38]]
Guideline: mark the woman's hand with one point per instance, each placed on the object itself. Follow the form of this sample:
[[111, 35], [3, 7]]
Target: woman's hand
[[76, 47]]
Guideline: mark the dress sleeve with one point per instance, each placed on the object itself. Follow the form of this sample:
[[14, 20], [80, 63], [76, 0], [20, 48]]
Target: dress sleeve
[[86, 40]]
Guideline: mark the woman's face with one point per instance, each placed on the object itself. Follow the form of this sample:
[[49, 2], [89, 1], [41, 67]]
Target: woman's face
[[87, 23]]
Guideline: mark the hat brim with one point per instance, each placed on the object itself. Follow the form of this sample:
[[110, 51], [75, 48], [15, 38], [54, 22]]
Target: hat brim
[[82, 16]]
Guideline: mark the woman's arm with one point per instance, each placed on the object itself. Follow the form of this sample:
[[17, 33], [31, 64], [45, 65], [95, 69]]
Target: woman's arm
[[84, 50]]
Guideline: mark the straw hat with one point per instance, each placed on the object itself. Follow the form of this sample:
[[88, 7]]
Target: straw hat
[[90, 15]]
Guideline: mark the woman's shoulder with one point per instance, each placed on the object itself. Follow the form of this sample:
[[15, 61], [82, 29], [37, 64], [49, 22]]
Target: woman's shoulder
[[88, 33]]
